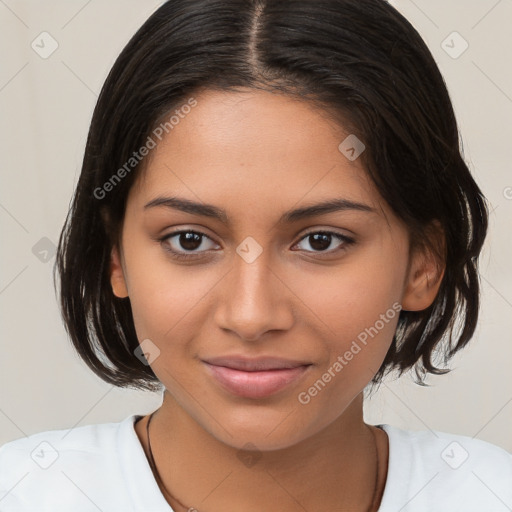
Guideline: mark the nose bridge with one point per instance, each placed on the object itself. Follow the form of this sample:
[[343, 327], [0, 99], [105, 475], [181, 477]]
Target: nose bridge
[[254, 299]]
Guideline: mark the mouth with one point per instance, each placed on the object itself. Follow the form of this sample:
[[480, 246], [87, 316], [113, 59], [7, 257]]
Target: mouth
[[255, 378]]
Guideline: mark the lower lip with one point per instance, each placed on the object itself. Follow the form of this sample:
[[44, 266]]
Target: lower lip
[[258, 384]]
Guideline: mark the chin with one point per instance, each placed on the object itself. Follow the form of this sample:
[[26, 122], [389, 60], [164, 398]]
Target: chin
[[268, 431]]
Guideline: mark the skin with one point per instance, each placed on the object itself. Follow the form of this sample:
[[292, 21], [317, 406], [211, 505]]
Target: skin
[[258, 155]]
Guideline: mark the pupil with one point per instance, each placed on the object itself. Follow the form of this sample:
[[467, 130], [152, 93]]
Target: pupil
[[190, 241], [320, 241]]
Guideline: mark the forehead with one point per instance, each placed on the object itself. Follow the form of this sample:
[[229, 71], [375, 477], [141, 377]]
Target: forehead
[[254, 150]]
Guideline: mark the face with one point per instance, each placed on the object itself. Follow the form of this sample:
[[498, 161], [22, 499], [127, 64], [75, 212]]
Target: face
[[319, 289]]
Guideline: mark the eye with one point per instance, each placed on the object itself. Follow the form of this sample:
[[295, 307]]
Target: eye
[[185, 244], [320, 241]]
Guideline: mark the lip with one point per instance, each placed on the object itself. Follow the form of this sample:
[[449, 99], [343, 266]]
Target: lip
[[252, 364], [255, 378]]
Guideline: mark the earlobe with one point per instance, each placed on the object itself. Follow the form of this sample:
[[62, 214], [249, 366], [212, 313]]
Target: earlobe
[[117, 279]]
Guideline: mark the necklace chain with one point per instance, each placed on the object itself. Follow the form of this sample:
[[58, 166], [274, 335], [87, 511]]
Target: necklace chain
[[155, 470], [164, 488]]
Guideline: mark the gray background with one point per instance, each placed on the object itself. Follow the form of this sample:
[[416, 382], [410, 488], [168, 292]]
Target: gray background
[[46, 106]]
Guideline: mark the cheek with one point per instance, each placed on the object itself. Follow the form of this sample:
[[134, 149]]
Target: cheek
[[167, 300], [351, 297], [355, 310], [358, 320]]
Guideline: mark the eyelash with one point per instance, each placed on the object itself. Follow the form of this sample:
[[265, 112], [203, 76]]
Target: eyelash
[[184, 256]]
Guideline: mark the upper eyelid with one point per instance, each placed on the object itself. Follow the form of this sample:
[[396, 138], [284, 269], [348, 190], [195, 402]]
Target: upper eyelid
[[190, 230]]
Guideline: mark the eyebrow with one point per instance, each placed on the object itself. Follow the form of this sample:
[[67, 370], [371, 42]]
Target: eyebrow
[[209, 210]]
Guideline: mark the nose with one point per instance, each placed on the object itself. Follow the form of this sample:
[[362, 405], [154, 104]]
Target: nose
[[254, 300]]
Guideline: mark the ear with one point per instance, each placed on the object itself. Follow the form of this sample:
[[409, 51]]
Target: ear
[[117, 279], [425, 272]]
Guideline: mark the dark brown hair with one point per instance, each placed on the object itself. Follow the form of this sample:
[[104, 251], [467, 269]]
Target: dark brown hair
[[359, 60]]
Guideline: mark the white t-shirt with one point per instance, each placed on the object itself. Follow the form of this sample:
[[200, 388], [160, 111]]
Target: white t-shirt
[[104, 468]]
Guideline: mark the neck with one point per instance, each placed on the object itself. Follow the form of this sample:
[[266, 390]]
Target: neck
[[336, 467]]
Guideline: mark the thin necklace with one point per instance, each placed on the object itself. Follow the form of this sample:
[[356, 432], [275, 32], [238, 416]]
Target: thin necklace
[[155, 470], [169, 495]]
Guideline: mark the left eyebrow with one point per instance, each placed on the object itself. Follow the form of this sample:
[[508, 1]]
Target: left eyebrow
[[330, 206], [209, 210]]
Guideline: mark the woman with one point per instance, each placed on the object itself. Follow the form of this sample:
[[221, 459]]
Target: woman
[[273, 213]]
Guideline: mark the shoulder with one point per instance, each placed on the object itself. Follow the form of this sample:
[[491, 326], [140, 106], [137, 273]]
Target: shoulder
[[448, 471], [68, 462], [453, 450]]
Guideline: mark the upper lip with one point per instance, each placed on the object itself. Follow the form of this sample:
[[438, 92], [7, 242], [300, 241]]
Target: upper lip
[[254, 364]]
